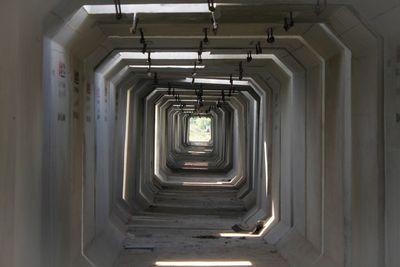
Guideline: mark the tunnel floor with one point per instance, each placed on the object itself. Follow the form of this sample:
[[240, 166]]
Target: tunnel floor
[[148, 247]]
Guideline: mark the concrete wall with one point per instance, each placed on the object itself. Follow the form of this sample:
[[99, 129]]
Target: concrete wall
[[21, 133], [27, 218]]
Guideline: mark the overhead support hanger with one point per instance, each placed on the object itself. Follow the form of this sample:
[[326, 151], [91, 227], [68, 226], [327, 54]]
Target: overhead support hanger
[[231, 89], [142, 40], [270, 36], [291, 20], [249, 57], [199, 59], [317, 8], [240, 70], [230, 92], [205, 31], [155, 81], [118, 11], [169, 88], [201, 101], [219, 104], [211, 5], [194, 73], [199, 92], [144, 48], [135, 22], [258, 48], [149, 59], [288, 22], [214, 23]]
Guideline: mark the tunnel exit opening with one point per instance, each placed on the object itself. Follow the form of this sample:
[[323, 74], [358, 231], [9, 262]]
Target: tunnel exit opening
[[200, 130]]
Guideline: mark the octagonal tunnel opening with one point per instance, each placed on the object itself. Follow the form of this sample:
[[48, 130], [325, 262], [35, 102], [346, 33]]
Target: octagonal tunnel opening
[[256, 187]]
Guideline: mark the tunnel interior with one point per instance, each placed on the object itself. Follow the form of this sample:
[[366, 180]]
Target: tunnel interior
[[208, 135]]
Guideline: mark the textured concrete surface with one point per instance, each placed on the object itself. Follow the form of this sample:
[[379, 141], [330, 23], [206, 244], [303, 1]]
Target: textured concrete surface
[[54, 198]]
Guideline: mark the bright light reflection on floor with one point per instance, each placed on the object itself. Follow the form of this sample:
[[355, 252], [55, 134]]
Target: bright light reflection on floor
[[196, 152], [203, 263], [204, 183], [196, 164], [263, 231]]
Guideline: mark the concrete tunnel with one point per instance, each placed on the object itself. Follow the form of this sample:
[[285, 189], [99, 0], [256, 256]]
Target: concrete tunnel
[[200, 133]]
